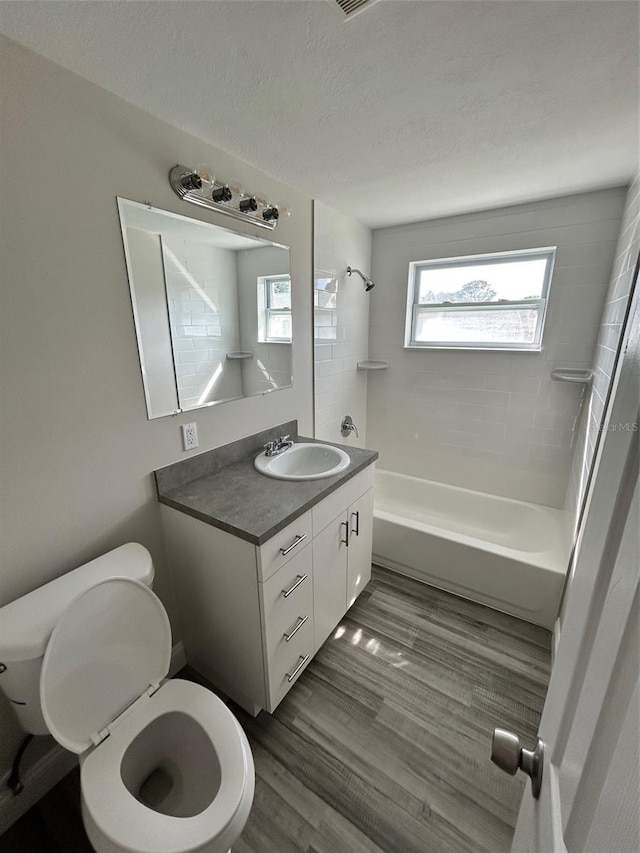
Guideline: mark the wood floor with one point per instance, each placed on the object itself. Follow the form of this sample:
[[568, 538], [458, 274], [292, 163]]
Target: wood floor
[[382, 746]]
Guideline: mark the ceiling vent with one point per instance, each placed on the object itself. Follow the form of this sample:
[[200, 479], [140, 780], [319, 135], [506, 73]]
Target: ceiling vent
[[352, 7]]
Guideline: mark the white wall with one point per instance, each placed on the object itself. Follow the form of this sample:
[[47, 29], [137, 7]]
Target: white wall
[[483, 420], [609, 334], [340, 389], [77, 450]]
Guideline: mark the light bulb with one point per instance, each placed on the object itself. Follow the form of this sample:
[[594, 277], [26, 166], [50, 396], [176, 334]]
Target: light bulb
[[205, 173], [236, 187]]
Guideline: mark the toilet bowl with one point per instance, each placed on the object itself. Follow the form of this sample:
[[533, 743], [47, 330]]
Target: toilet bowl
[[163, 766]]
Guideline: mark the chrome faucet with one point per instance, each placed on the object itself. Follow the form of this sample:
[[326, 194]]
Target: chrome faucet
[[278, 445]]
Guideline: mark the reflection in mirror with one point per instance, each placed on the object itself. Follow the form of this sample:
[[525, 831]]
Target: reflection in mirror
[[212, 310]]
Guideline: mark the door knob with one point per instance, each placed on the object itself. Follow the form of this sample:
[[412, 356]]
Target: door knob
[[507, 753]]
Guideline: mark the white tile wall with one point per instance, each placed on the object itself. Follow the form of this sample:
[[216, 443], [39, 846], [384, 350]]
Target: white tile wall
[[492, 421], [340, 389], [609, 336]]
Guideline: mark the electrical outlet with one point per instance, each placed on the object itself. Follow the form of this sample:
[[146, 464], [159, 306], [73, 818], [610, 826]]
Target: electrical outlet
[[189, 436]]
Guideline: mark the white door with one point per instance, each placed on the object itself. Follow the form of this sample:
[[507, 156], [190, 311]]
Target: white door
[[590, 726]]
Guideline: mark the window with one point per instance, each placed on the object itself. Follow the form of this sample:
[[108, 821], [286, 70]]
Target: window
[[493, 301], [274, 309], [325, 307]]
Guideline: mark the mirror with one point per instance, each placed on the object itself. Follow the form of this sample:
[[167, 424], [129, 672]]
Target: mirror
[[212, 310]]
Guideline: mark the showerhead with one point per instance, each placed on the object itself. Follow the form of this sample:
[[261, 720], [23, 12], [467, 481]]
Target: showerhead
[[368, 284]]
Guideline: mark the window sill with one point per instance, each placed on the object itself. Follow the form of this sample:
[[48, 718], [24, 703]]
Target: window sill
[[472, 348]]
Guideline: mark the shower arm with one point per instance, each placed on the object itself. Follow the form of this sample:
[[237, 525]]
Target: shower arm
[[369, 285]]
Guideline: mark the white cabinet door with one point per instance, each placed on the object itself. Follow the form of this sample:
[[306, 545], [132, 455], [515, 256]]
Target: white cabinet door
[[360, 541], [329, 577]]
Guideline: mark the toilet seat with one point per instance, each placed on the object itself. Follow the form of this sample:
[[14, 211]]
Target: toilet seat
[[100, 689], [129, 824]]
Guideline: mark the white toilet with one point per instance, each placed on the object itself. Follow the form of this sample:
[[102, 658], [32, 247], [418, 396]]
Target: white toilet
[[162, 767]]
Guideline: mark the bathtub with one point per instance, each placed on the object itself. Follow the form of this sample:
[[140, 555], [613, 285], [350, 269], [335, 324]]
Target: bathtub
[[507, 554]]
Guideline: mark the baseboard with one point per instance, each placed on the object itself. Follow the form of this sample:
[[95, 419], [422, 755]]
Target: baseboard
[[48, 770], [37, 780]]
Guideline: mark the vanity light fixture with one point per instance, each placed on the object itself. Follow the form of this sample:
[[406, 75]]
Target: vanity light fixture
[[198, 186]]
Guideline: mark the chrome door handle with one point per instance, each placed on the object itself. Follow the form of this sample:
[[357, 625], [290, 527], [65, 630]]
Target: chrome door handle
[[301, 621], [345, 524], [299, 580], [357, 530], [510, 757], [303, 659], [296, 541]]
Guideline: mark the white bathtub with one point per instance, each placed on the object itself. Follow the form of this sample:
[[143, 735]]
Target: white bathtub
[[507, 554]]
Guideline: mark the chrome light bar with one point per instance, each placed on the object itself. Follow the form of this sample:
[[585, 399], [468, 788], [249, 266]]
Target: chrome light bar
[[189, 185]]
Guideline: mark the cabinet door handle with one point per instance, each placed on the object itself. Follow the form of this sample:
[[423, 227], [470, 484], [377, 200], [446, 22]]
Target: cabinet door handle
[[299, 579], [303, 659], [345, 524], [357, 530], [301, 621], [296, 541]]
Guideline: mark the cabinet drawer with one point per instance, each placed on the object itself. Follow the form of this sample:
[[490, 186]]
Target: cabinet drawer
[[284, 663], [338, 501], [293, 539], [282, 614]]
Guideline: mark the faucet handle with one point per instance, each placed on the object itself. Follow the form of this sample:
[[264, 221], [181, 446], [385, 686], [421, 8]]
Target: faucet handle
[[269, 447], [283, 439]]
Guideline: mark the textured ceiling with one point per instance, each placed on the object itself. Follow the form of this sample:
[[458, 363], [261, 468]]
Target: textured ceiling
[[412, 109]]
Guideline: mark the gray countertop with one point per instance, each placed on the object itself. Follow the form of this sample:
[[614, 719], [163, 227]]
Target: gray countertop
[[238, 499]]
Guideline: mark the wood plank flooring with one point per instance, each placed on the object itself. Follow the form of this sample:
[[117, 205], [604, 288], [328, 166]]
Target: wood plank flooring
[[382, 746]]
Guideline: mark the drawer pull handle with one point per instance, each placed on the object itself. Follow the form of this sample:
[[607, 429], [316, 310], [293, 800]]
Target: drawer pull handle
[[357, 530], [296, 541], [300, 578], [345, 524], [303, 659], [301, 621]]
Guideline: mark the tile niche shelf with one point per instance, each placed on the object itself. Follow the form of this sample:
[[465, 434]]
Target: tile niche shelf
[[372, 364], [239, 355]]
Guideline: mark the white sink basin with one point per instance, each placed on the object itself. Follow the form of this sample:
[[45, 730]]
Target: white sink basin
[[303, 461]]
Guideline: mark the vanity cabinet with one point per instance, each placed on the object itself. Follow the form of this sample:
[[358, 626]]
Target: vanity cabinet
[[253, 616]]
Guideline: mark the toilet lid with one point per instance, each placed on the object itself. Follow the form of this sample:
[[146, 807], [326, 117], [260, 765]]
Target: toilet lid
[[110, 644]]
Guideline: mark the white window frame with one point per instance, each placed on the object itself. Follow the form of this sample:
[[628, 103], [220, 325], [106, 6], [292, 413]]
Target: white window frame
[[264, 307], [414, 309]]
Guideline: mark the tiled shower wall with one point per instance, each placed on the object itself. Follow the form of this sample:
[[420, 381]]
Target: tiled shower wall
[[491, 421], [271, 365], [201, 287], [341, 334], [609, 338]]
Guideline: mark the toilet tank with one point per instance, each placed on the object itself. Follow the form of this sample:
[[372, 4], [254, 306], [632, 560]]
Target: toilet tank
[[26, 625]]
